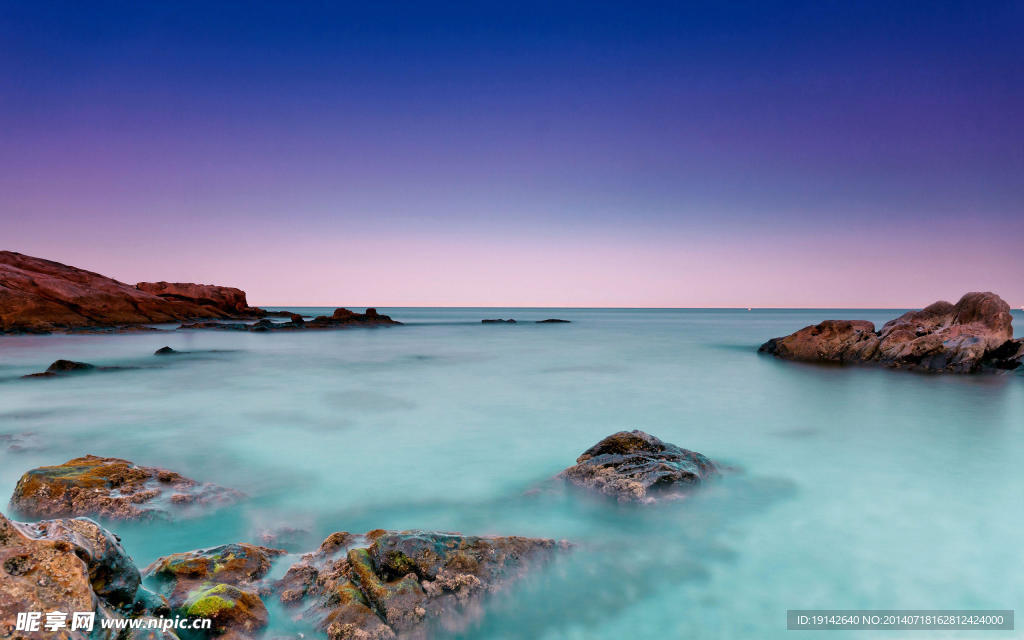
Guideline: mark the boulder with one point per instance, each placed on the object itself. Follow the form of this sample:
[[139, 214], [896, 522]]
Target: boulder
[[388, 584], [111, 488], [165, 351], [41, 296], [975, 334], [633, 466], [221, 583], [67, 566]]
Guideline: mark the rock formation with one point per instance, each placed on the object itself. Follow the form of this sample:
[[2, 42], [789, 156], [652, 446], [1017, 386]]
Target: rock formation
[[40, 296], [975, 334], [222, 584], [68, 566], [341, 319], [388, 584], [633, 466], [111, 488]]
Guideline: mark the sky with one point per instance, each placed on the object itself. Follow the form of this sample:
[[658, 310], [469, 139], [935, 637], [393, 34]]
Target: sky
[[685, 154]]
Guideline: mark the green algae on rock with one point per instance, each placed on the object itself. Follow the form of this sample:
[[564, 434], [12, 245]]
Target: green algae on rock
[[111, 488], [388, 584]]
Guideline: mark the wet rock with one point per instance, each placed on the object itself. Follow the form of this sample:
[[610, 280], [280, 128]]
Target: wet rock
[[553, 321], [70, 367], [975, 334], [388, 584], [165, 351], [221, 583], [633, 466], [498, 321], [64, 565], [340, 319], [42, 296], [111, 488]]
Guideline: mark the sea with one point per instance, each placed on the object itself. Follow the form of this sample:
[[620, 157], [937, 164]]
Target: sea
[[842, 487]]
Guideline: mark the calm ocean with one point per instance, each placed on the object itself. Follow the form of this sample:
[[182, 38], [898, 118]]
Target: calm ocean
[[851, 488]]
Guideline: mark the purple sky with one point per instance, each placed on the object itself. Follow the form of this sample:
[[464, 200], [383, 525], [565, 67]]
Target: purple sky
[[756, 154]]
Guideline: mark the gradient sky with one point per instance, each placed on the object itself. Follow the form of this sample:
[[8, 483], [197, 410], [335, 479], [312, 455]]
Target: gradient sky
[[816, 154]]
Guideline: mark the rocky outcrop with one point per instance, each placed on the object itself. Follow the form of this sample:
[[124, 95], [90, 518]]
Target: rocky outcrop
[[67, 566], [388, 584], [975, 334], [341, 319], [222, 584], [227, 299], [112, 488], [40, 296], [633, 466]]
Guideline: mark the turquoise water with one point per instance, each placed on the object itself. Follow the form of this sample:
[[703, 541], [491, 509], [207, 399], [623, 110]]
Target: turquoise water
[[851, 488]]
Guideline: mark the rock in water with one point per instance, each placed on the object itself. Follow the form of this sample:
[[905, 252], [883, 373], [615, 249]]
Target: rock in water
[[165, 351], [341, 319], [68, 566], [389, 584], [553, 321], [111, 488], [221, 584], [498, 321], [973, 335], [634, 466]]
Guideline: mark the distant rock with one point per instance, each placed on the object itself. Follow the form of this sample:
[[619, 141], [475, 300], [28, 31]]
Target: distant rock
[[553, 321], [227, 299], [975, 334], [42, 296], [165, 351], [633, 466], [388, 584], [498, 321], [341, 319], [68, 367], [111, 488]]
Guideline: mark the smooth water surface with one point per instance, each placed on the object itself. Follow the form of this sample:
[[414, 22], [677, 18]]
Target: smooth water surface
[[851, 488]]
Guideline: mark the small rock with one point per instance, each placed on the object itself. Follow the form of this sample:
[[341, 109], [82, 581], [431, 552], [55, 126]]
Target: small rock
[[634, 466], [165, 351], [498, 321], [553, 321]]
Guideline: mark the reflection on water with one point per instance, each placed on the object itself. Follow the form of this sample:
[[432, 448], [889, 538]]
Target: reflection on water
[[851, 487]]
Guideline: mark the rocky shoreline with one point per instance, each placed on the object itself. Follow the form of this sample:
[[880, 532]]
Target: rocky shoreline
[[376, 585], [42, 296], [974, 335]]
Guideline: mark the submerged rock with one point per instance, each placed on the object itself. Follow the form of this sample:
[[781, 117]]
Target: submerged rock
[[341, 318], [67, 566], [165, 351], [498, 321], [553, 321], [388, 584], [634, 466], [111, 488], [221, 583], [63, 367], [975, 334]]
